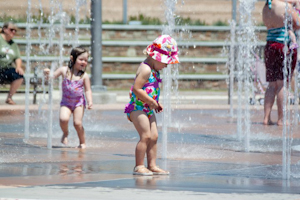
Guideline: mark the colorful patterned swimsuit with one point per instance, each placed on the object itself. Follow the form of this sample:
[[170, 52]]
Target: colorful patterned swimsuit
[[152, 89], [72, 94]]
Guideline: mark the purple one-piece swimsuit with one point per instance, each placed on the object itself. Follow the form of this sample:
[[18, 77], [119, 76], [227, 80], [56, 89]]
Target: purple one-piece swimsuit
[[72, 96]]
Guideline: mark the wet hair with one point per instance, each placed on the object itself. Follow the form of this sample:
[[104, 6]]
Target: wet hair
[[6, 25], [77, 51]]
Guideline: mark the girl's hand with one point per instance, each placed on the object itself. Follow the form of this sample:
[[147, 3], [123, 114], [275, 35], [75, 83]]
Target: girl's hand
[[46, 71], [90, 105], [159, 109], [153, 105]]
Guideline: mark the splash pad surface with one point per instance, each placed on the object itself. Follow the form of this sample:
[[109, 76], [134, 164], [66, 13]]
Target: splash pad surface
[[204, 158]]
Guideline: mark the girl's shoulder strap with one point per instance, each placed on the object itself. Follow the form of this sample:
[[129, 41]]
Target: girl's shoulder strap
[[144, 71], [141, 67], [154, 73], [146, 64]]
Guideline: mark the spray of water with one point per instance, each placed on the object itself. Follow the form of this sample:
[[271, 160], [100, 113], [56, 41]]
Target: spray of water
[[170, 8], [50, 106], [58, 22], [231, 64], [27, 72], [247, 42], [297, 86], [288, 119], [79, 4]]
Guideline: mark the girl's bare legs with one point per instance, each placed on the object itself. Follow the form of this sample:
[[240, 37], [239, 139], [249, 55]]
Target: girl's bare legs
[[142, 125], [152, 146], [147, 130], [64, 117], [77, 117], [269, 101]]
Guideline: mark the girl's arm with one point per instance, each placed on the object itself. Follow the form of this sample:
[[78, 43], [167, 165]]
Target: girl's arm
[[88, 90], [60, 71], [140, 80], [57, 73]]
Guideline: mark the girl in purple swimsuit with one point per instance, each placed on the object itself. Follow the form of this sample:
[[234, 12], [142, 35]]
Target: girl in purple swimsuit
[[144, 98], [75, 83]]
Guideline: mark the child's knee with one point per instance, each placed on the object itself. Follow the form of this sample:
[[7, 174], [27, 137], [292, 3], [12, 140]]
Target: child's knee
[[150, 138], [146, 138], [77, 124], [154, 137], [63, 121]]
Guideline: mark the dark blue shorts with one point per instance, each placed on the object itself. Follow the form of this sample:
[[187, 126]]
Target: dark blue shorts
[[8, 75]]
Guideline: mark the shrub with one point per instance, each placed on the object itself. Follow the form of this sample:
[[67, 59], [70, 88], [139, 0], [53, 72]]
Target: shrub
[[220, 23]]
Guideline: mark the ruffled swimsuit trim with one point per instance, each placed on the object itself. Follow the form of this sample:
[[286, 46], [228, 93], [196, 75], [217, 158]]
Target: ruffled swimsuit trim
[[152, 89]]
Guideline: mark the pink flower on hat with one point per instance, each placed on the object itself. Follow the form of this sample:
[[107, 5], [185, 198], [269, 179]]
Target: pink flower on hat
[[164, 49], [158, 57]]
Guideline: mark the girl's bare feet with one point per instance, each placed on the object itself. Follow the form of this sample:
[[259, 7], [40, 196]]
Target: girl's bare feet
[[280, 123], [142, 170], [64, 139], [158, 171], [81, 146], [269, 122], [10, 101]]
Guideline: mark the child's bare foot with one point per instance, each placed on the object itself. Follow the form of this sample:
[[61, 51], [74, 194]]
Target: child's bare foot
[[268, 122], [158, 171], [280, 123], [142, 170], [81, 146], [64, 139], [10, 101]]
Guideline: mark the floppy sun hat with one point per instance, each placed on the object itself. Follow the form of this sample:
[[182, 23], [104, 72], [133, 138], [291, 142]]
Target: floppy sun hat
[[164, 49]]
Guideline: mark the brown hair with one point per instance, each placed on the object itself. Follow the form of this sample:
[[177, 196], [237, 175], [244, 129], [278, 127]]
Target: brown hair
[[75, 53]]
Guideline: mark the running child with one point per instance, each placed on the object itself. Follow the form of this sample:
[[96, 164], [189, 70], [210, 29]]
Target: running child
[[144, 98], [75, 82]]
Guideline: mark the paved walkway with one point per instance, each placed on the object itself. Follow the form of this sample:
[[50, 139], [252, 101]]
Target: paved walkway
[[205, 159], [121, 97]]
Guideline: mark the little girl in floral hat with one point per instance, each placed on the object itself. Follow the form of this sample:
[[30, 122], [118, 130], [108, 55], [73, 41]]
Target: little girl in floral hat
[[144, 98]]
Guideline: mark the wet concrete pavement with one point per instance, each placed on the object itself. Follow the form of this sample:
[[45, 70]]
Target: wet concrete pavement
[[205, 158]]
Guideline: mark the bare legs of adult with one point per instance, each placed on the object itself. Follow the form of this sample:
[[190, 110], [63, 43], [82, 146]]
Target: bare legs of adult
[[274, 89], [14, 86], [280, 105], [268, 103]]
